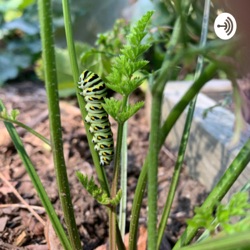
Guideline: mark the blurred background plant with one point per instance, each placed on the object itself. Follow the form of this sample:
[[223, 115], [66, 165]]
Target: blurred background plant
[[20, 43], [19, 37]]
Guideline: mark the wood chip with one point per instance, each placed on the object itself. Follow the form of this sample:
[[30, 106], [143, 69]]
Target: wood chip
[[21, 238], [3, 222]]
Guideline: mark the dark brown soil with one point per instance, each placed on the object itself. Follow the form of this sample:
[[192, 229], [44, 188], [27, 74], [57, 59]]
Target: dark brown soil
[[17, 224]]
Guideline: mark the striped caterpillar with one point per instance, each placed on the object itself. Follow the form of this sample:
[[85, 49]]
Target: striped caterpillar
[[93, 90]]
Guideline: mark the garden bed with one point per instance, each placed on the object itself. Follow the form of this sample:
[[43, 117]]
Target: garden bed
[[17, 224]]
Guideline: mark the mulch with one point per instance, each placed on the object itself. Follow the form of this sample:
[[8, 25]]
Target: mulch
[[20, 229]]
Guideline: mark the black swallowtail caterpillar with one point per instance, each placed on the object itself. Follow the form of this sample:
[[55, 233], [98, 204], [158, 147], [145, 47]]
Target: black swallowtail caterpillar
[[93, 90]]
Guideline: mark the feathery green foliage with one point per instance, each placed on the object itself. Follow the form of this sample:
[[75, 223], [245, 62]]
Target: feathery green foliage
[[98, 193], [121, 78], [112, 106], [13, 114], [238, 206]]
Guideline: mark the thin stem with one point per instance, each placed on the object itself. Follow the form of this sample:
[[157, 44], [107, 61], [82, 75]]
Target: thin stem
[[153, 169], [136, 207], [230, 242], [29, 129], [164, 131], [124, 162], [175, 113], [73, 61], [37, 183], [152, 156], [186, 133], [55, 122], [112, 225], [226, 181]]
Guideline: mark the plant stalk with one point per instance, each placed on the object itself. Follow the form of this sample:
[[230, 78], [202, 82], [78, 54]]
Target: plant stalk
[[45, 16], [186, 132], [27, 128], [153, 169], [229, 242], [117, 164], [37, 183], [74, 66], [219, 191], [164, 131], [99, 169], [124, 165]]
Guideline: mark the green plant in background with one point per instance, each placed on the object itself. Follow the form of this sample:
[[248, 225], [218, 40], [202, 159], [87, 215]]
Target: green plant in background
[[99, 58], [20, 43], [19, 36], [238, 207], [122, 58], [64, 74]]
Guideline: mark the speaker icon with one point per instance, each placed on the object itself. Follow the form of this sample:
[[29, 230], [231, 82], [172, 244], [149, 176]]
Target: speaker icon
[[228, 26], [225, 26]]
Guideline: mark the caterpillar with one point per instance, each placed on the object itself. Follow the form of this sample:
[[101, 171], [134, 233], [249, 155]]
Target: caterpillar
[[93, 89]]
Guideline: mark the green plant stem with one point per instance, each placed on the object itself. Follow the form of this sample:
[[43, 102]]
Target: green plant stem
[[99, 169], [37, 183], [164, 131], [117, 163], [153, 169], [73, 61], [175, 113], [29, 129], [124, 162], [228, 242], [152, 158], [157, 95], [186, 133], [136, 206], [45, 16], [219, 191], [123, 177]]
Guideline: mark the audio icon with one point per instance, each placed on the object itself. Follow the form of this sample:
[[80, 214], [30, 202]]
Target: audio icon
[[228, 26], [225, 26]]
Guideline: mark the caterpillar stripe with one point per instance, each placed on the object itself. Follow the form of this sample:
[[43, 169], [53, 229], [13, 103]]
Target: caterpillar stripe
[[93, 89]]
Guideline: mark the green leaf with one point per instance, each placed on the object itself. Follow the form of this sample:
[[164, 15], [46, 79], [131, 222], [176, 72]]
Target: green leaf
[[112, 106], [137, 32], [127, 63], [97, 62], [14, 113], [25, 3], [97, 192], [131, 110], [132, 54], [64, 73], [203, 219]]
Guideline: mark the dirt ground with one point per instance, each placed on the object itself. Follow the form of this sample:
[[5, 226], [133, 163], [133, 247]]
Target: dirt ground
[[20, 229]]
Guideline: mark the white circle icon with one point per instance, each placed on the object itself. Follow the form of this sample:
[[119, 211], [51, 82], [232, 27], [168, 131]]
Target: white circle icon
[[225, 26]]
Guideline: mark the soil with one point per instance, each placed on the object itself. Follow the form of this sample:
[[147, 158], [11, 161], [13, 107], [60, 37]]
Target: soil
[[20, 229]]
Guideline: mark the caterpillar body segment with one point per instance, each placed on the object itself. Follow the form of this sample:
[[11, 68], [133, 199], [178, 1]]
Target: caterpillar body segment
[[93, 89]]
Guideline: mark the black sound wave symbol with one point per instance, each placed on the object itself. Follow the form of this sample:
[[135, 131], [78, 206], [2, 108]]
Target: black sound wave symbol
[[228, 26]]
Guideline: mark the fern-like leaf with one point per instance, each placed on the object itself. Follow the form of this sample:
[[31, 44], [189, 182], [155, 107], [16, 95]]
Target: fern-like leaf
[[97, 192]]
